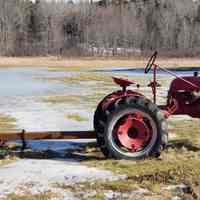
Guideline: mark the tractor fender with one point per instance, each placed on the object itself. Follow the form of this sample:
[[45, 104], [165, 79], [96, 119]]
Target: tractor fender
[[113, 97]]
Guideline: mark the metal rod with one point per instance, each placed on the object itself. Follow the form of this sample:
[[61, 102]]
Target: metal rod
[[192, 84], [154, 83], [47, 135], [24, 145]]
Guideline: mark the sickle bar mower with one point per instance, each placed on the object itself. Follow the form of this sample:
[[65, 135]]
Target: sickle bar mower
[[23, 135], [128, 125]]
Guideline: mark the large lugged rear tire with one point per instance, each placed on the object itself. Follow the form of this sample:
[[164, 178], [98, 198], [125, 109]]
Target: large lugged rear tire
[[131, 128]]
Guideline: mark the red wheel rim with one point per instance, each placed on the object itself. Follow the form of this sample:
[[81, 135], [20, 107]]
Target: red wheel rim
[[133, 132]]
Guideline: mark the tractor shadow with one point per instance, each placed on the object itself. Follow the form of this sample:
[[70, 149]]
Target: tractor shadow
[[181, 144], [65, 150], [69, 155], [75, 151]]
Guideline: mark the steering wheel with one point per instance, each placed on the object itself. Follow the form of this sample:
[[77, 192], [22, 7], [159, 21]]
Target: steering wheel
[[150, 62]]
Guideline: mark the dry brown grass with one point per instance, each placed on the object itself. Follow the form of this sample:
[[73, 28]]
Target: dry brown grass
[[91, 62], [179, 163], [7, 123]]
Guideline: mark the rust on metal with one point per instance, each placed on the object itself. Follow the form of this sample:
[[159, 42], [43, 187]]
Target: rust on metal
[[47, 135]]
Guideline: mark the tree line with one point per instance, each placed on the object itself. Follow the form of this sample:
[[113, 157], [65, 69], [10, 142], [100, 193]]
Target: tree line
[[99, 28]]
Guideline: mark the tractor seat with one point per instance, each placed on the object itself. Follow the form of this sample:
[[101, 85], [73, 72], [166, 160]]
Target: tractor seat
[[122, 82]]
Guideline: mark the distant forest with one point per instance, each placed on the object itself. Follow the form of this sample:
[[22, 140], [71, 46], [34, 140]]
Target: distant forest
[[103, 28]]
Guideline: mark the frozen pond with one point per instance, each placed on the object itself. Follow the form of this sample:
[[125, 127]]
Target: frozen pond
[[22, 91]]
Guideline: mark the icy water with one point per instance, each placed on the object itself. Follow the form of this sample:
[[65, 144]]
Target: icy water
[[22, 91], [182, 71]]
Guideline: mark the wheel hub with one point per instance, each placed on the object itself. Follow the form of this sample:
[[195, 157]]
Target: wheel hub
[[133, 132]]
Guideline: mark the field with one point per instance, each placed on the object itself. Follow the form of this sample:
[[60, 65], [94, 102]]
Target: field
[[174, 175], [90, 62]]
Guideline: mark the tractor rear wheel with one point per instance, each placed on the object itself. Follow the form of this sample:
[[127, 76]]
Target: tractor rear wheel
[[131, 128]]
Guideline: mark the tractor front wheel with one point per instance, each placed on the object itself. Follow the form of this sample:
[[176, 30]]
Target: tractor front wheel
[[132, 128]]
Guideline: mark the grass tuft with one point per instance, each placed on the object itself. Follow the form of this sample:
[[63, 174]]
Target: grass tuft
[[44, 196], [7, 123], [76, 117]]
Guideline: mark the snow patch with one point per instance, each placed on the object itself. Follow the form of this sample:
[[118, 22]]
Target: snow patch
[[37, 176]]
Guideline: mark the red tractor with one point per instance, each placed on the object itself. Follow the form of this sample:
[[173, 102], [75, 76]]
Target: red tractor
[[129, 125]]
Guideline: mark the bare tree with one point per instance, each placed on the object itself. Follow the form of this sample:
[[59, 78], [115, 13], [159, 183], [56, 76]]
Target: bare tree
[[106, 28]]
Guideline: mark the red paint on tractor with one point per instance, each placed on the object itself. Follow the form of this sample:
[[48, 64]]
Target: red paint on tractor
[[186, 96], [132, 132], [113, 97], [124, 83], [182, 84], [183, 96]]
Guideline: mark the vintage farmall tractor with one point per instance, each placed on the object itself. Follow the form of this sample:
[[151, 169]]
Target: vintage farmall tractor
[[129, 125]]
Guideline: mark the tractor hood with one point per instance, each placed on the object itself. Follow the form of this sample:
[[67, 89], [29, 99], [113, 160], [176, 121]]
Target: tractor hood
[[187, 84]]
